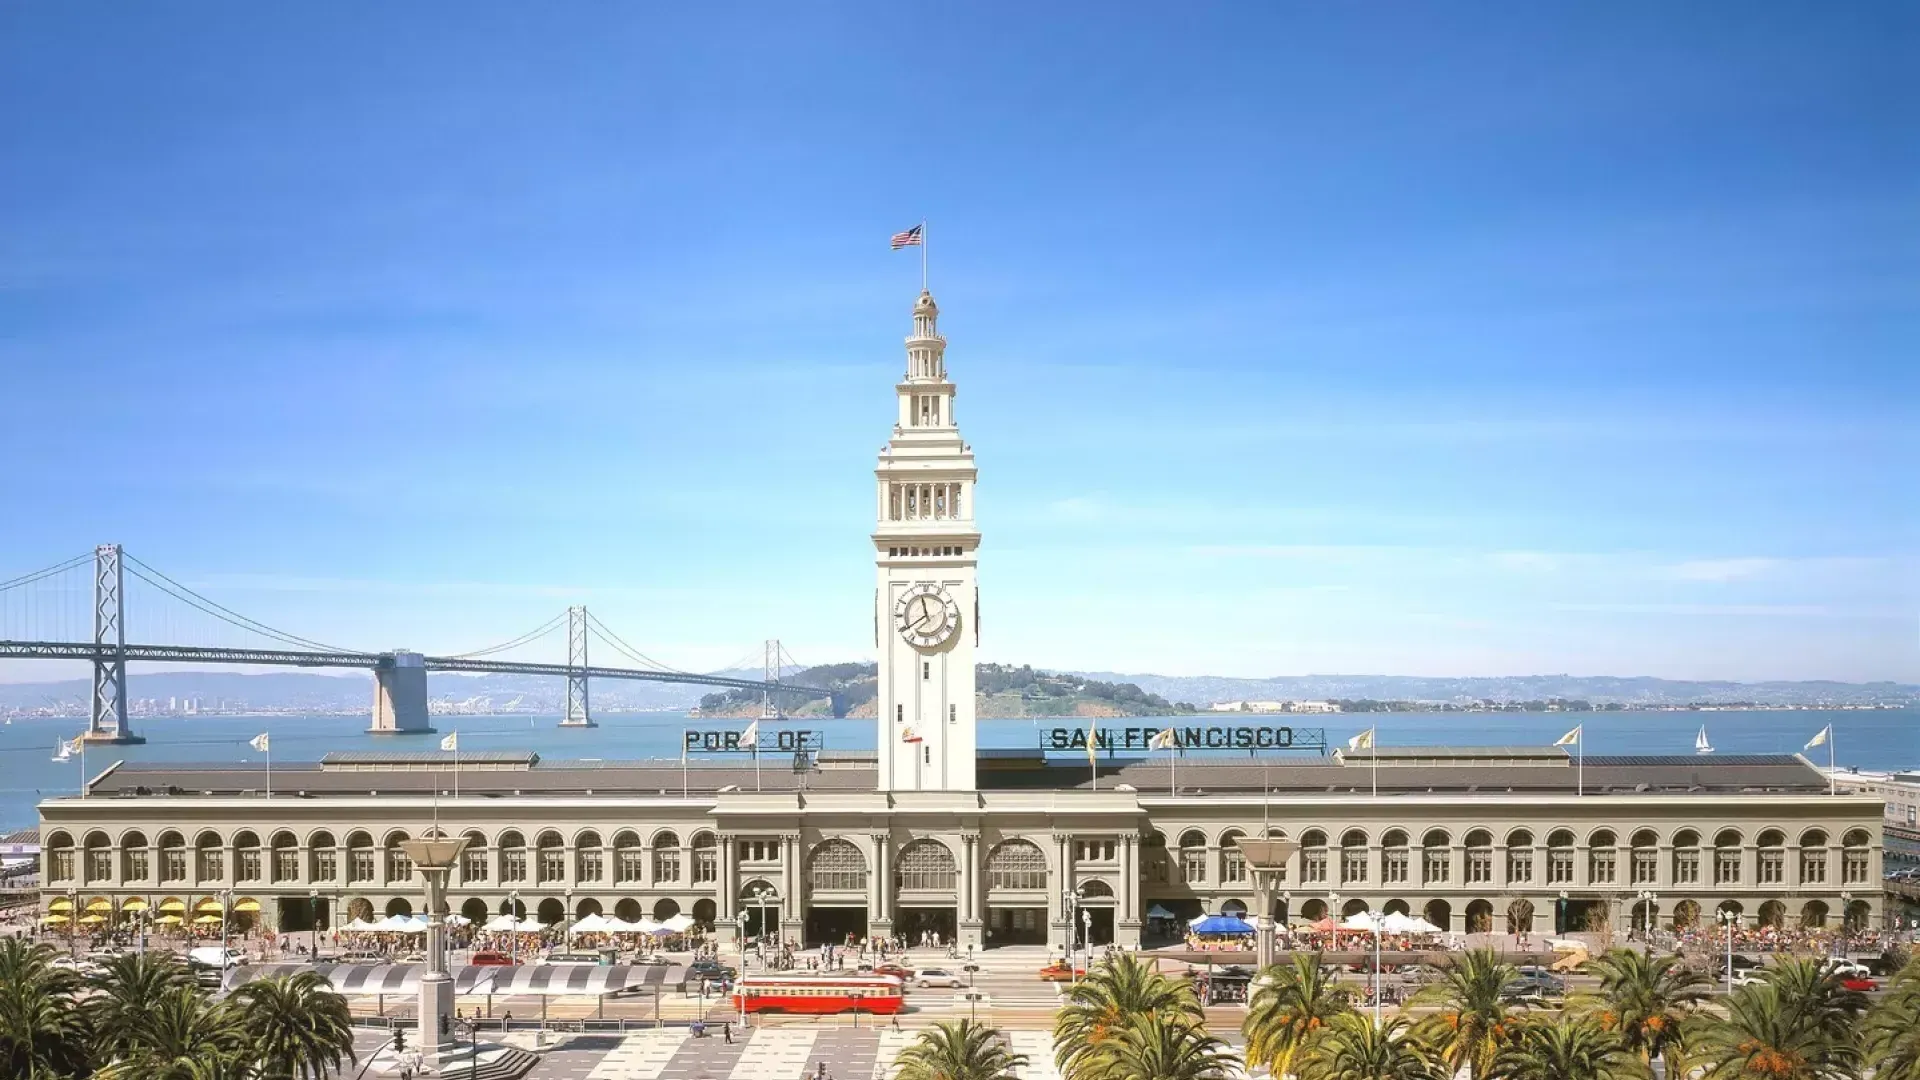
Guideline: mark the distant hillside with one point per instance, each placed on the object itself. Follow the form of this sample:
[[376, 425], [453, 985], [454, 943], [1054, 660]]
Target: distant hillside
[[1599, 689], [1005, 691]]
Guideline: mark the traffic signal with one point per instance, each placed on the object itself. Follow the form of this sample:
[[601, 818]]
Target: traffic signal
[[399, 1039]]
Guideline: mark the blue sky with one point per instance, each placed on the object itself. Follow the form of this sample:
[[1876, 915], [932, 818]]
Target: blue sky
[[1290, 338]]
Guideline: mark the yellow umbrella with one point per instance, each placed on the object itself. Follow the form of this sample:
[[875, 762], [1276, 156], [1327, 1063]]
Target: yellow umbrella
[[168, 920], [173, 904], [211, 903], [247, 904], [55, 919], [60, 904], [205, 920], [99, 903], [134, 904], [92, 920]]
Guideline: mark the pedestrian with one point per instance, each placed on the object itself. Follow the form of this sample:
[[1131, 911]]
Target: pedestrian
[[727, 1030]]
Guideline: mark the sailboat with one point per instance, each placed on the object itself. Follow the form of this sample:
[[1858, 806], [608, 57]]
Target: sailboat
[[1700, 743]]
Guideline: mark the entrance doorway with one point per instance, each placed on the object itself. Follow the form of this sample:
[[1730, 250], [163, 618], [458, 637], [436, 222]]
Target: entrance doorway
[[832, 925], [1016, 926], [911, 922], [1099, 931]]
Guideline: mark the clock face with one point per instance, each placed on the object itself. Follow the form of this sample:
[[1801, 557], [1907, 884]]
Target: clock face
[[926, 616]]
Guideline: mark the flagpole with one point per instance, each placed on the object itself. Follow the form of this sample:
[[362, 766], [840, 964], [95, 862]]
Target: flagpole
[[83, 767], [683, 763], [1833, 780], [1580, 768], [923, 254], [269, 752], [1375, 748]]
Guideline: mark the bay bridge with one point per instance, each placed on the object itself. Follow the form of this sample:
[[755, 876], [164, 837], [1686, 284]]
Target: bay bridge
[[45, 615]]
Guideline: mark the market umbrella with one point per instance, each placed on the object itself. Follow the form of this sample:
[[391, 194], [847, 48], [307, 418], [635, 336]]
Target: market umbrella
[[60, 904], [207, 920], [92, 920], [99, 903], [56, 918], [173, 904], [168, 920], [248, 905], [134, 904]]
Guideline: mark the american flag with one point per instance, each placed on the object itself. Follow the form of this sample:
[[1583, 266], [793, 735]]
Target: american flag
[[908, 238]]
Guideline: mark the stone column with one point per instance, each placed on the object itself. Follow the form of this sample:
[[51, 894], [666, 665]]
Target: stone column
[[726, 904], [1499, 882], [971, 871], [1790, 876], [1749, 875], [1063, 880], [1663, 871], [880, 892], [793, 907], [1126, 926]]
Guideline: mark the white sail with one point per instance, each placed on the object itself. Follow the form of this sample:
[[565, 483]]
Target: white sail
[[1700, 743]]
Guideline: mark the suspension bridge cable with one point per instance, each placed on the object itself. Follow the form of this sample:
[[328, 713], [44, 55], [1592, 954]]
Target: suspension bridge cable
[[28, 579], [545, 628], [220, 611], [632, 653]]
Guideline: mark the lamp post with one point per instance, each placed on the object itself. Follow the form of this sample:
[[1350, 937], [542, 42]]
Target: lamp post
[[513, 932], [568, 931], [313, 909], [226, 923], [1375, 917], [1086, 935], [1266, 860], [434, 861], [1727, 919], [1070, 904], [1648, 898]]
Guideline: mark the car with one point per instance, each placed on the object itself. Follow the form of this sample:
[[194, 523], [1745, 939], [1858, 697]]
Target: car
[[1843, 967], [896, 970], [1745, 963], [1858, 983], [360, 956], [491, 959], [1061, 971], [571, 959], [938, 977], [215, 957], [653, 960], [709, 970], [1749, 978]]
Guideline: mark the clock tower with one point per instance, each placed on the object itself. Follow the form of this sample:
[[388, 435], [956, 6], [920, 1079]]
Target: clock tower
[[927, 606]]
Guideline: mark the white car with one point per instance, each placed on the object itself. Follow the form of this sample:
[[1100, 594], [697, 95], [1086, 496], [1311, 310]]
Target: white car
[[215, 957], [938, 977], [1842, 968]]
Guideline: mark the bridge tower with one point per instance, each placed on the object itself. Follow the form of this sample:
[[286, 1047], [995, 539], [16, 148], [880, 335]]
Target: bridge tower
[[400, 695], [109, 721], [769, 710], [578, 713]]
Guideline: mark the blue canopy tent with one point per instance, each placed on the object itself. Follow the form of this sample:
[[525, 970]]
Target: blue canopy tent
[[1222, 924]]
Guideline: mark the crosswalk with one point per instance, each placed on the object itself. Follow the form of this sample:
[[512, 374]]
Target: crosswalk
[[777, 1054], [1038, 1047], [892, 1041], [639, 1057]]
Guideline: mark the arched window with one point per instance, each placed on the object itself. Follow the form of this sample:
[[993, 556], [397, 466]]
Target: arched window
[[1814, 859], [1520, 859], [1096, 890], [99, 857], [399, 863], [476, 867], [1686, 859], [133, 856], [1480, 867], [246, 856], [513, 857], [590, 863], [629, 863], [212, 857], [1646, 857], [323, 862], [1353, 857], [173, 856], [1726, 857], [1313, 857], [1602, 858], [286, 857], [1193, 856], [552, 865], [666, 856], [1856, 867], [359, 857], [1233, 861], [59, 857], [1394, 858], [706, 858], [1560, 857], [1016, 864], [1770, 868], [837, 865], [1436, 859], [926, 864]]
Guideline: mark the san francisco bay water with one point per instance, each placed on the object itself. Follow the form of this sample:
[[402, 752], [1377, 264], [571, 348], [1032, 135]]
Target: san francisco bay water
[[1868, 739]]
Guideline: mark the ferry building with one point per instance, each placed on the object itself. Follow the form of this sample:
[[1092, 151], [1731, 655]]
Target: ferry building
[[928, 832]]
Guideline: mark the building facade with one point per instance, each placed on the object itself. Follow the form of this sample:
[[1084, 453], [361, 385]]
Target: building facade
[[928, 832]]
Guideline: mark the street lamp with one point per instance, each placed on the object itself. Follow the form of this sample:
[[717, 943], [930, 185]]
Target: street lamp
[[1375, 917], [313, 909], [1086, 934], [226, 923], [1728, 919], [1070, 906], [568, 932], [1648, 899], [513, 932]]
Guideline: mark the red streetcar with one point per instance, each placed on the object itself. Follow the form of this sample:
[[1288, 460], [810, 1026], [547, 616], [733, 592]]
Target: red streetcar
[[817, 993]]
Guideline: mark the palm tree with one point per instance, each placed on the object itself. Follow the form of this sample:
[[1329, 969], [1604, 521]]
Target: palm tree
[[1352, 1047], [961, 1050], [1471, 1022], [1891, 1036], [1561, 1049], [296, 1026], [1647, 1001], [1152, 1046], [1113, 993], [1769, 1035], [1291, 1002], [129, 988], [43, 1033], [186, 1037], [1815, 992]]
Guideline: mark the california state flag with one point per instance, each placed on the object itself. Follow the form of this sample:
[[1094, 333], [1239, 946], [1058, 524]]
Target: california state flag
[[909, 735]]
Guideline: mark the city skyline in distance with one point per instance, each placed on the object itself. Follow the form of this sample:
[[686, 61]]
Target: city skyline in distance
[[1321, 372]]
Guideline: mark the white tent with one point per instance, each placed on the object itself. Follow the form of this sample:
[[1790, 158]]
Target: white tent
[[644, 926], [592, 924], [1422, 926], [457, 920], [530, 925], [618, 925], [1396, 923], [1359, 920], [359, 926], [1158, 912], [499, 924], [679, 924]]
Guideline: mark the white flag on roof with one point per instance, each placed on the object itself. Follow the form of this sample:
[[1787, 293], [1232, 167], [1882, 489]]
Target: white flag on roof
[[259, 742]]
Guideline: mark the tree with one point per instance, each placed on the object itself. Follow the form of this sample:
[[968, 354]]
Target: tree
[[1352, 1047], [187, 1037], [1291, 1003], [960, 1050], [130, 987], [1891, 1035], [1769, 1035], [42, 1031], [296, 1026], [1815, 993], [1115, 991], [1561, 1049], [1647, 1001], [1471, 1022], [1155, 1046]]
